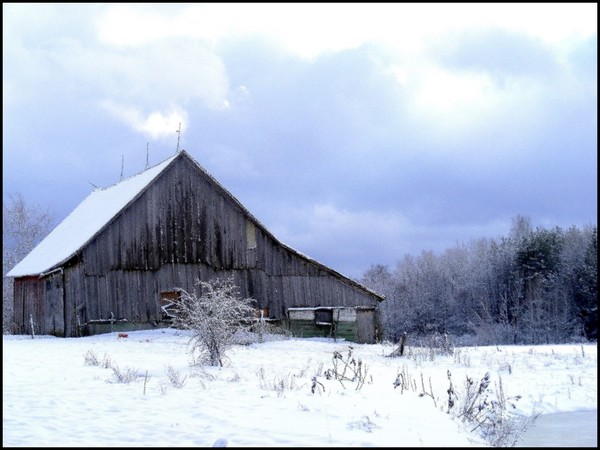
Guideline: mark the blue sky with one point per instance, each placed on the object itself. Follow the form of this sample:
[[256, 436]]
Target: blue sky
[[356, 133]]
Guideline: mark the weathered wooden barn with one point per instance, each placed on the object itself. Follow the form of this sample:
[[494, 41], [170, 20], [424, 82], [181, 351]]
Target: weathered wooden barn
[[120, 256]]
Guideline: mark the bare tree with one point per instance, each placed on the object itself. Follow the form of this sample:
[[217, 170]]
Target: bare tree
[[213, 312], [23, 227], [381, 280]]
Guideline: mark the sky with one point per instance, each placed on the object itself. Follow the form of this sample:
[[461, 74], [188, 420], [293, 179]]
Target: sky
[[356, 133], [53, 395]]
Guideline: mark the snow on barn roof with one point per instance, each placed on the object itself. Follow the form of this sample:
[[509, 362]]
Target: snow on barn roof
[[76, 230]]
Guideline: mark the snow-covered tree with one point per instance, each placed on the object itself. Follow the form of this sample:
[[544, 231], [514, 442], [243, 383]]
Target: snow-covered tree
[[585, 283], [213, 312], [23, 227], [380, 279]]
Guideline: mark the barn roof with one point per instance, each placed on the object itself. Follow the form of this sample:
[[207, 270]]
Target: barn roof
[[84, 222], [99, 208]]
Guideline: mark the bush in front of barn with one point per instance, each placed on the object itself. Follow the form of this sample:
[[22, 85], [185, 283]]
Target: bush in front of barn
[[214, 312]]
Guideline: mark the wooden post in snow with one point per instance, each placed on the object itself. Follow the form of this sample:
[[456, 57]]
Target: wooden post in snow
[[399, 351], [403, 343], [31, 325]]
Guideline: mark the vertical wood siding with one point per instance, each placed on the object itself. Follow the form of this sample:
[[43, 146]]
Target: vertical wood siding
[[28, 301]]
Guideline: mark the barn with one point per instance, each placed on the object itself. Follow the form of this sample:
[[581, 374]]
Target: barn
[[119, 258]]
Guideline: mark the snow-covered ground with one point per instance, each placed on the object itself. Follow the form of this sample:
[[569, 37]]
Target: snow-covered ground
[[274, 393]]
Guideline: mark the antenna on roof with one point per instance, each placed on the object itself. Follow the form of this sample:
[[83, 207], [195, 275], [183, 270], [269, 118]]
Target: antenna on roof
[[178, 136], [122, 165], [96, 187], [147, 153]]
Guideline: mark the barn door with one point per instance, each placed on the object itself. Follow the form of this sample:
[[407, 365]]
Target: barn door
[[54, 311], [365, 326]]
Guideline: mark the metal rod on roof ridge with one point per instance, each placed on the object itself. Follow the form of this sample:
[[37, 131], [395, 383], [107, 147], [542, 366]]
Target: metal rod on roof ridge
[[178, 136]]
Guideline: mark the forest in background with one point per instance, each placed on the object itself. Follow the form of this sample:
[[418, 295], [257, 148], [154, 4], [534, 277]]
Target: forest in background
[[535, 286]]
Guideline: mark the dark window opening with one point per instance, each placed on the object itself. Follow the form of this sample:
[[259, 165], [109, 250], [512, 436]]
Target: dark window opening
[[168, 304], [324, 316]]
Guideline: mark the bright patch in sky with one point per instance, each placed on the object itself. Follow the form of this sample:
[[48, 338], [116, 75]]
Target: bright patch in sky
[[309, 29], [157, 124], [456, 97]]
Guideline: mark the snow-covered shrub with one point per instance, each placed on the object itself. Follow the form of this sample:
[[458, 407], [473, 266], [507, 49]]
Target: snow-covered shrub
[[126, 375], [488, 412], [266, 331], [439, 344], [279, 384], [347, 369], [364, 424], [175, 378], [91, 359], [405, 381], [213, 312]]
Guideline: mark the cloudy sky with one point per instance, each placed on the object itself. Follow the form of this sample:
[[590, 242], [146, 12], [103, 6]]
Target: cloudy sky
[[356, 133]]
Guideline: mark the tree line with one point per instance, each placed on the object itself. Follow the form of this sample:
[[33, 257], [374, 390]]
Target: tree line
[[534, 286]]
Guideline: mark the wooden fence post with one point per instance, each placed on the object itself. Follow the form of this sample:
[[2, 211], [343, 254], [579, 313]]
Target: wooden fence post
[[403, 340]]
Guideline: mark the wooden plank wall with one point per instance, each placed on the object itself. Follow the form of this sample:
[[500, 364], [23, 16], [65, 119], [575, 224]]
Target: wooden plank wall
[[53, 321], [27, 294]]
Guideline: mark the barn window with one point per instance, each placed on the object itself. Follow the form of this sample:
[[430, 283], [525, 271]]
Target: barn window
[[324, 316], [250, 235]]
